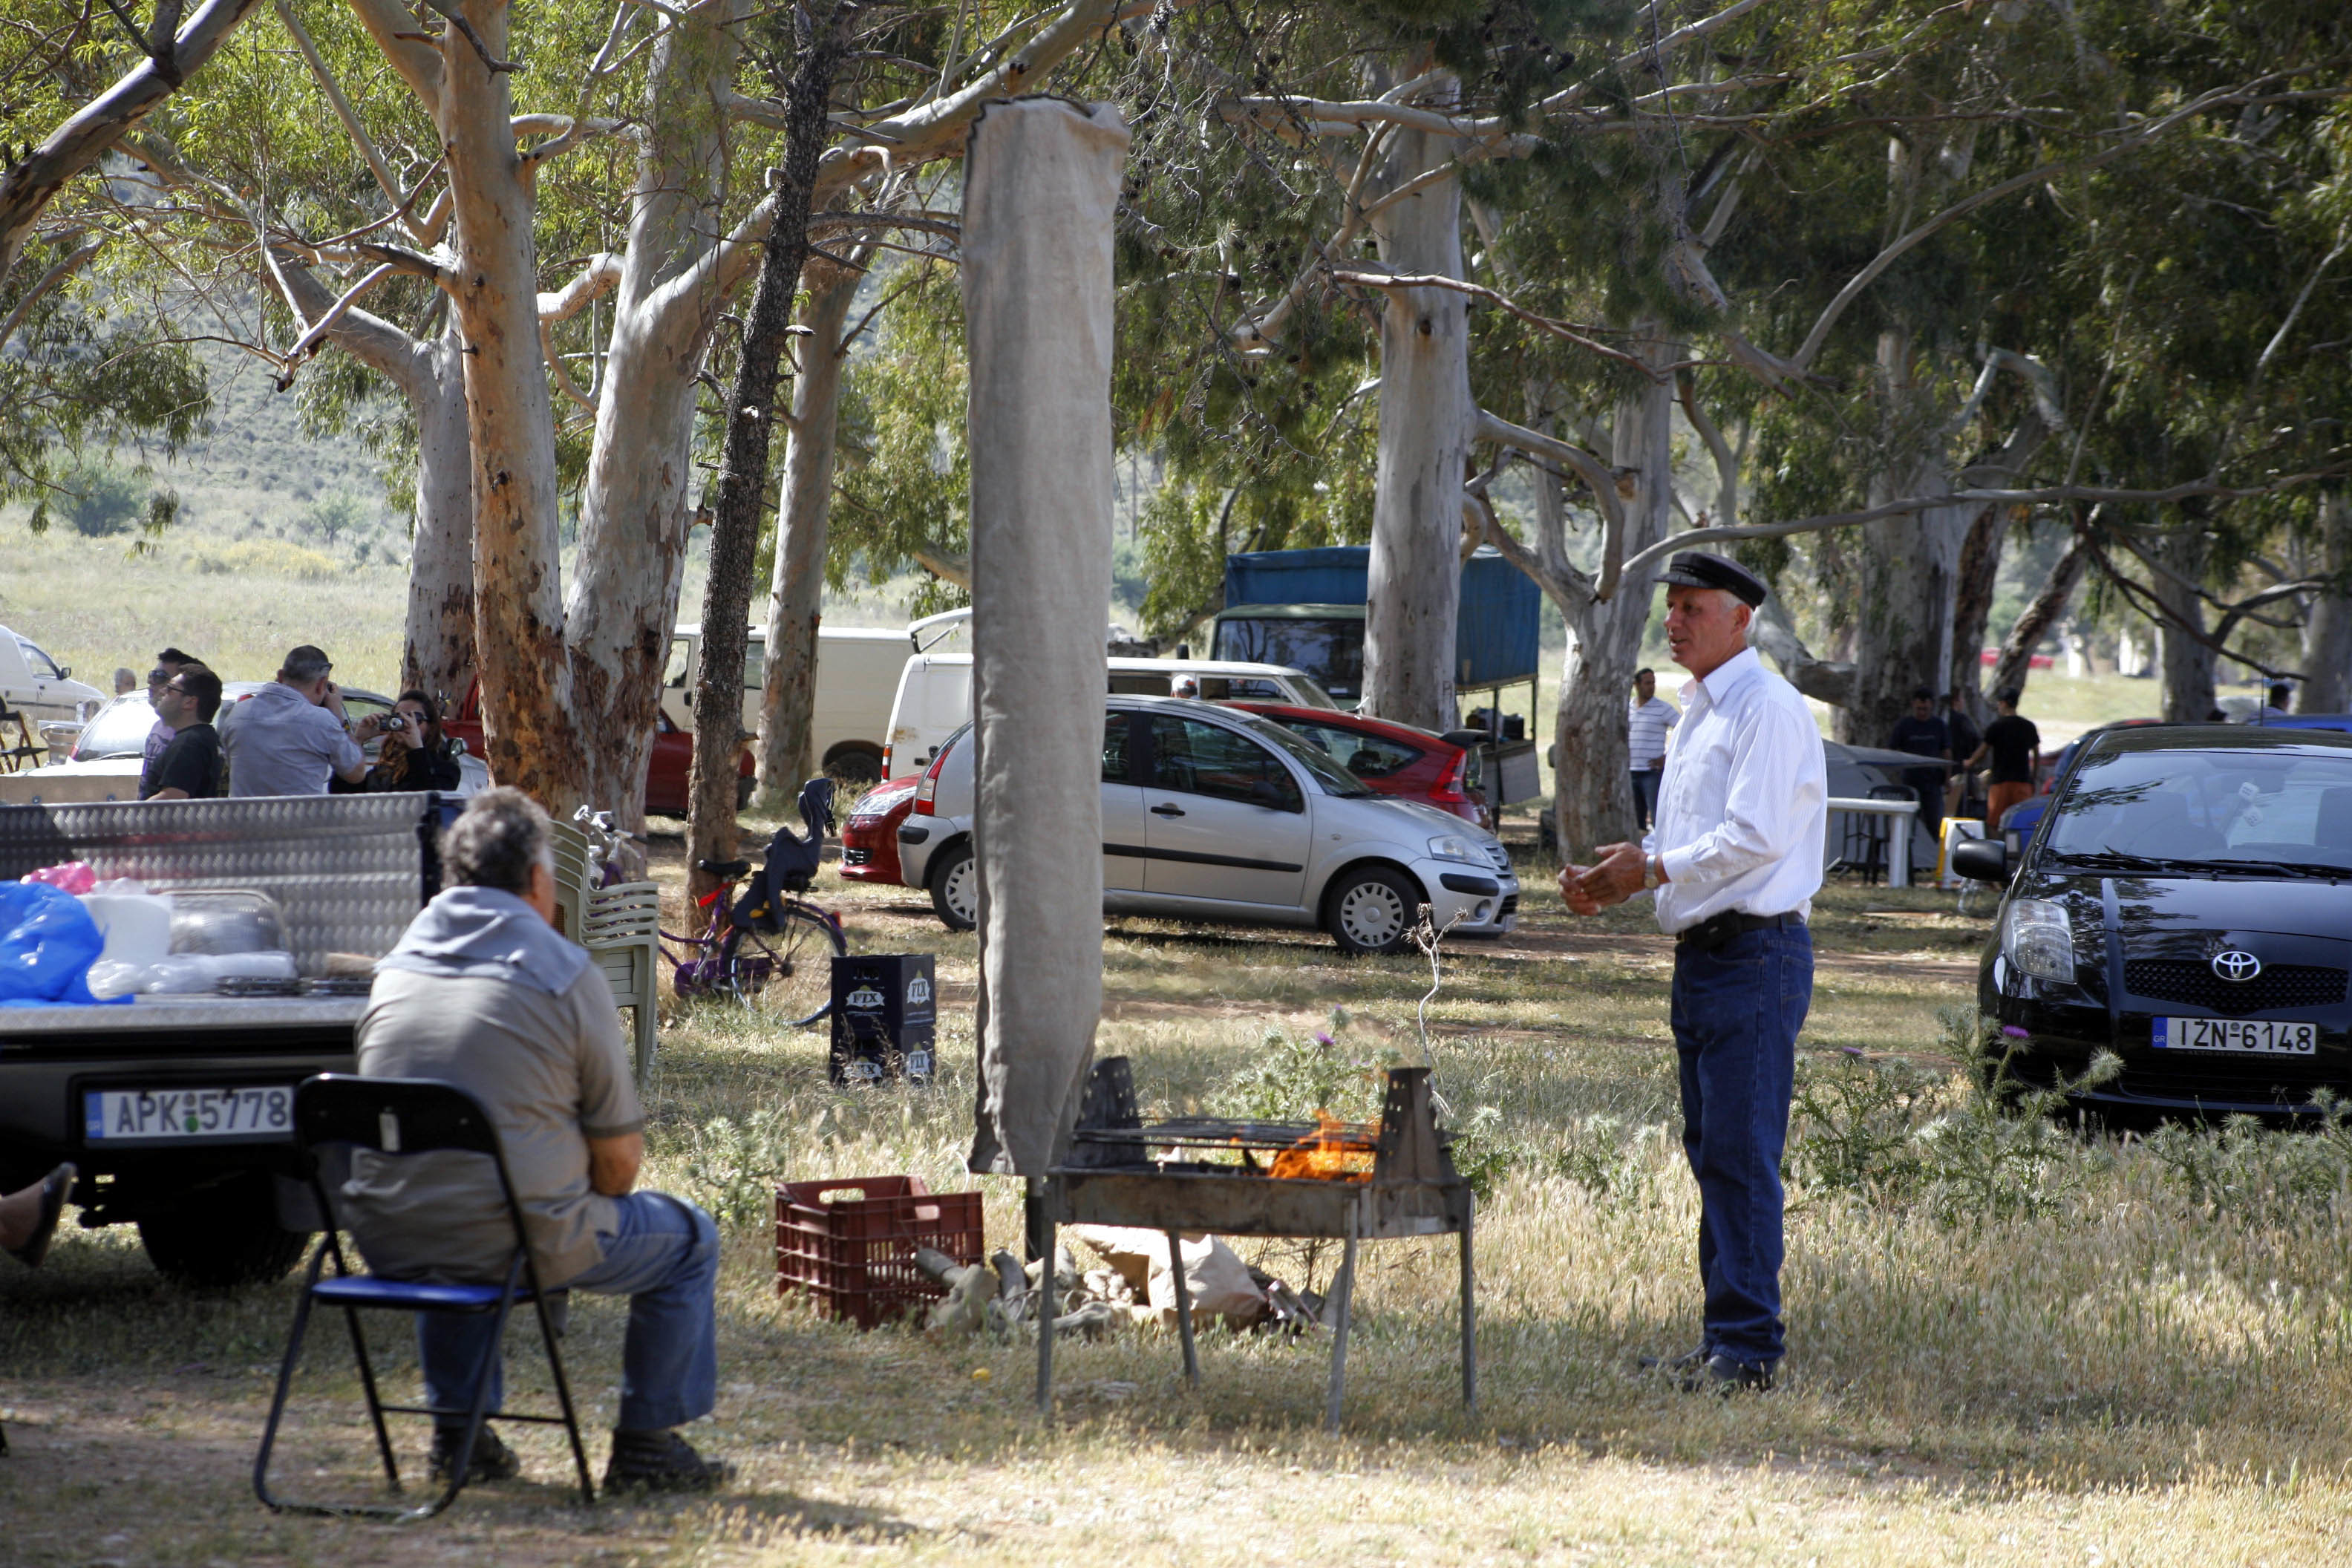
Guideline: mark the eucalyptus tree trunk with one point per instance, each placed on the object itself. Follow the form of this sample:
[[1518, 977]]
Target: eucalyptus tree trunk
[[743, 484], [1426, 419], [796, 591], [636, 503], [2186, 664], [1910, 563], [518, 615], [1978, 574], [1592, 787], [2327, 636], [438, 644]]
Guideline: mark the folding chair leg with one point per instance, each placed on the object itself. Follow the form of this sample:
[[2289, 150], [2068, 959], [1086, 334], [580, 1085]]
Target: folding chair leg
[[286, 1382], [478, 1416], [374, 1401], [563, 1398]]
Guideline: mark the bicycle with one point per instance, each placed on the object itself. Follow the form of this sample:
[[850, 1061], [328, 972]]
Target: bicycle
[[764, 944]]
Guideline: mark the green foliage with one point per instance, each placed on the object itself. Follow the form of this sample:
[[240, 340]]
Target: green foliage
[[100, 502]]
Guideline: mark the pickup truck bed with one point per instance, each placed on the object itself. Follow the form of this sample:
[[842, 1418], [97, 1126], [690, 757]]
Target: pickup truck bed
[[139, 1096]]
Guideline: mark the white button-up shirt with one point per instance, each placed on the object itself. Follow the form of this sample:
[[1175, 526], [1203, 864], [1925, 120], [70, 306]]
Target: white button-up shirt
[[1744, 801]]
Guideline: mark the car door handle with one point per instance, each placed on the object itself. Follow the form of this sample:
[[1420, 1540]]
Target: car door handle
[[1167, 808]]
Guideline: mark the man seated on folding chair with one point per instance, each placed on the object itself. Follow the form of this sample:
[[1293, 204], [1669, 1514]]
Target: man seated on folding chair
[[482, 992]]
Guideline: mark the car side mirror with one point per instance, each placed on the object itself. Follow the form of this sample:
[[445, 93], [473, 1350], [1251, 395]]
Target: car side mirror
[[65, 672], [1981, 859]]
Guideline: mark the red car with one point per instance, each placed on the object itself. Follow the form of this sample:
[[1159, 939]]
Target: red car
[[870, 838], [666, 770], [1393, 759]]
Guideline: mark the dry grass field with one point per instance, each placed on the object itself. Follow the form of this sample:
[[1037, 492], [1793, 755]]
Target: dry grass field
[[2008, 1344]]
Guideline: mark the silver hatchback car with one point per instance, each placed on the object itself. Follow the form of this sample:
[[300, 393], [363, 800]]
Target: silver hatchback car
[[1210, 812]]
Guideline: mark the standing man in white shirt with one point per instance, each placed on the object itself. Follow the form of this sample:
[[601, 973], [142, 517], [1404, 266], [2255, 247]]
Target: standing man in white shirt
[[1734, 858], [1648, 717]]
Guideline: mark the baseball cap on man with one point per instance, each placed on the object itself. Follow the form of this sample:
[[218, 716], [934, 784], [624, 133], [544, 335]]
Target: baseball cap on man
[[1697, 569]]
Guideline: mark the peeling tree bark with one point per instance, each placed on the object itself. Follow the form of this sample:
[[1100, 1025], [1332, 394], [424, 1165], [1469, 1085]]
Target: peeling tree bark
[[743, 484], [518, 608], [1426, 418], [803, 516], [635, 507]]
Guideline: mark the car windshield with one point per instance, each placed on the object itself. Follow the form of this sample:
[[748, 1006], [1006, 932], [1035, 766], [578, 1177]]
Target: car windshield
[[119, 729], [2259, 808], [44, 667], [1333, 778], [1330, 650]]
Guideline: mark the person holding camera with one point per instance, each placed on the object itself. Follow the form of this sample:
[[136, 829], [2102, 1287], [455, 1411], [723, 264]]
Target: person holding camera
[[292, 736], [416, 754]]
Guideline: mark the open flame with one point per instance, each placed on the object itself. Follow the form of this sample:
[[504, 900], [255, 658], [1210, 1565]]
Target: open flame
[[1334, 1151]]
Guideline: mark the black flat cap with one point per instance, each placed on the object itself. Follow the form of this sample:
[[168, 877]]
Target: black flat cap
[[1697, 569]]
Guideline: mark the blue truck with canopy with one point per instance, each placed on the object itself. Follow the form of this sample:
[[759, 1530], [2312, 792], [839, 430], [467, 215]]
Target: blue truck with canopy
[[1305, 609]]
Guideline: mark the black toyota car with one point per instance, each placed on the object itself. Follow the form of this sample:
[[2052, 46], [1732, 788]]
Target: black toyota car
[[2186, 903]]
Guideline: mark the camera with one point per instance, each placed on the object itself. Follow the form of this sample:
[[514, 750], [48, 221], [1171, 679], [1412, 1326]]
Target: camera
[[391, 722]]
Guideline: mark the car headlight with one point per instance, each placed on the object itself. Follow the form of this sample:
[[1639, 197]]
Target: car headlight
[[2041, 939], [1453, 846]]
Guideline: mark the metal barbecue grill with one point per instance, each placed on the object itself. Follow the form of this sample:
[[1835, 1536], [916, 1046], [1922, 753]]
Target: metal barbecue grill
[[1198, 1173]]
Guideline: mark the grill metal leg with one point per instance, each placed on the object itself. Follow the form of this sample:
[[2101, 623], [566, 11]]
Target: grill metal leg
[[1183, 1309], [1346, 1290], [1469, 1318]]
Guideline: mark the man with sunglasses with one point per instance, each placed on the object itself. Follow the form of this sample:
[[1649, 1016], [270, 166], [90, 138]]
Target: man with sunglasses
[[189, 768]]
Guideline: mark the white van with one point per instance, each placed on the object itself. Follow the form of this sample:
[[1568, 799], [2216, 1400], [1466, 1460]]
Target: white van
[[38, 687], [934, 695], [856, 678]]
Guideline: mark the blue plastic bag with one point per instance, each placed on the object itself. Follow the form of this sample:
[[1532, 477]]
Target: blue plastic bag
[[48, 943]]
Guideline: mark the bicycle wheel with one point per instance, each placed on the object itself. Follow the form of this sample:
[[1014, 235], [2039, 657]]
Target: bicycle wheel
[[789, 972]]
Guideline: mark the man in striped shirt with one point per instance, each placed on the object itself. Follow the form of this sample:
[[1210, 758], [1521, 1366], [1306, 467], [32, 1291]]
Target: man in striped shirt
[[1648, 717]]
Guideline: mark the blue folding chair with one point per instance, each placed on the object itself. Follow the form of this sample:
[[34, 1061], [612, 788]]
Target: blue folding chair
[[335, 1114]]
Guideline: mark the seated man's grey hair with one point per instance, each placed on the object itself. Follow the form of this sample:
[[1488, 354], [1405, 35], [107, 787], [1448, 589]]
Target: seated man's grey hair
[[496, 841]]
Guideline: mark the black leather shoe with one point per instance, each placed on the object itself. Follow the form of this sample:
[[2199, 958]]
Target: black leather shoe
[[661, 1462], [55, 1188], [1720, 1373], [492, 1461]]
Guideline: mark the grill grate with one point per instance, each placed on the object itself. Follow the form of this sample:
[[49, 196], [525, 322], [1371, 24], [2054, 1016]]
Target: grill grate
[[2193, 981], [858, 856], [1499, 856]]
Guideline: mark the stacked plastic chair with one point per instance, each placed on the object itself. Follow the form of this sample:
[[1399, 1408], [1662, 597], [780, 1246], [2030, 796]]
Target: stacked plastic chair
[[619, 927]]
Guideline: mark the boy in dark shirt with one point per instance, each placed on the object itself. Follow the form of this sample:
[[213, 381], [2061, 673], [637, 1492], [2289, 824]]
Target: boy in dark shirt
[[190, 767], [2014, 745]]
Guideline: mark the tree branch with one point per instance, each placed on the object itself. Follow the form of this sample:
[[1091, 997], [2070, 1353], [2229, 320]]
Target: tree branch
[[599, 277], [27, 188], [1477, 290], [1812, 347], [49, 280], [2045, 496]]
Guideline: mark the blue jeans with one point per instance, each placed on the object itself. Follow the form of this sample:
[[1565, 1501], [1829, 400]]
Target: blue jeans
[[1646, 794], [665, 1260], [1736, 1014]]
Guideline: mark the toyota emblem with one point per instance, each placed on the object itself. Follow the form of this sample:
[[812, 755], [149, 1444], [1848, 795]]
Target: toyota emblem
[[2237, 966]]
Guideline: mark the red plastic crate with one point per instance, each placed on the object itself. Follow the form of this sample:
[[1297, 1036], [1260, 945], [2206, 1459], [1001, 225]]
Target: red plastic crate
[[855, 1256]]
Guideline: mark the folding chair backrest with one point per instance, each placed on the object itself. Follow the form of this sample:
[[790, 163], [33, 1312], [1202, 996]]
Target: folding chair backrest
[[392, 1116]]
